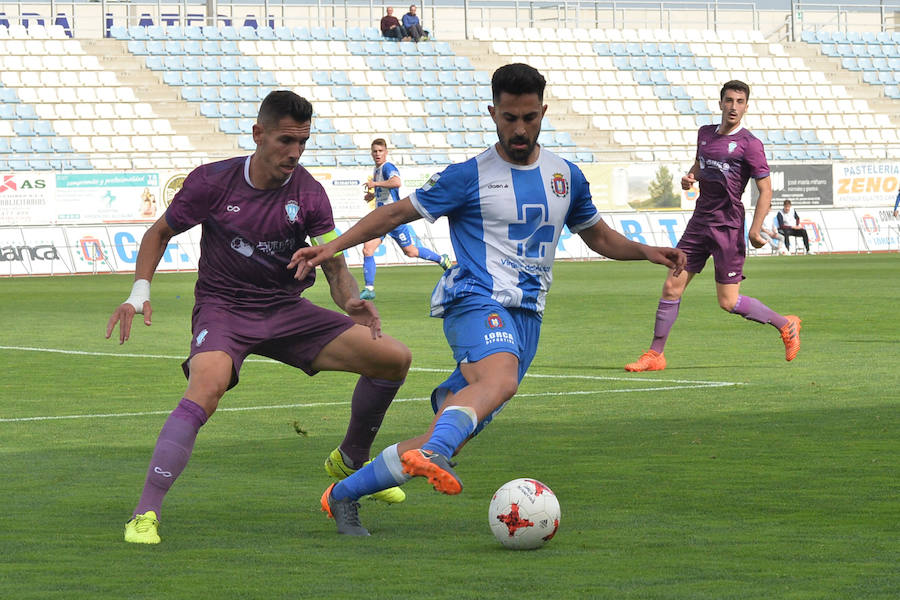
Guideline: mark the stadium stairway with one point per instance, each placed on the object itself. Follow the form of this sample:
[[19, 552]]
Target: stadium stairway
[[185, 117]]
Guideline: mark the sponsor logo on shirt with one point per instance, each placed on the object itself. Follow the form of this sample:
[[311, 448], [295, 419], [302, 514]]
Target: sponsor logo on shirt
[[242, 246], [431, 182], [201, 336], [559, 185]]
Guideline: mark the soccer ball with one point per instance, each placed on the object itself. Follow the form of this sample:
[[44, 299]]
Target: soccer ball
[[524, 514]]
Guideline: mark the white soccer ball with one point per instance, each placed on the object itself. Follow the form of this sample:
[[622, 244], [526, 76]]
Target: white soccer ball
[[524, 514]]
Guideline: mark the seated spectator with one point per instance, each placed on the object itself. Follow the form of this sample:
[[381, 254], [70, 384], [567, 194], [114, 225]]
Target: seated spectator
[[413, 25], [788, 229], [776, 240], [391, 27]]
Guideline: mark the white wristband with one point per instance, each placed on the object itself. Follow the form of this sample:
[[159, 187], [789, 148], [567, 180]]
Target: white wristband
[[140, 293]]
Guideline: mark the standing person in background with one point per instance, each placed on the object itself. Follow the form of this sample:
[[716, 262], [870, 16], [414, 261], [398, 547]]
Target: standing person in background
[[789, 225], [413, 25], [728, 155], [255, 212], [506, 209], [384, 188]]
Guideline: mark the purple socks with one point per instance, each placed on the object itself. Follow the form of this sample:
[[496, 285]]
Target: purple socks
[[371, 399], [754, 310], [171, 455], [666, 313]]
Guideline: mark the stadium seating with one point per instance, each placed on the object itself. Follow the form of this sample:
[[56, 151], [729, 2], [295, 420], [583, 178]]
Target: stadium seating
[[638, 91]]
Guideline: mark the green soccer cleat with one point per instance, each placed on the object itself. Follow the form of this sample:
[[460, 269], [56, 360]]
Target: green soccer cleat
[[367, 294], [337, 468], [445, 263], [142, 529]]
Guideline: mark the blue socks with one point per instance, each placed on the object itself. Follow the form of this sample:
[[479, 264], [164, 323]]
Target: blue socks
[[455, 424], [384, 472], [429, 254], [369, 270]]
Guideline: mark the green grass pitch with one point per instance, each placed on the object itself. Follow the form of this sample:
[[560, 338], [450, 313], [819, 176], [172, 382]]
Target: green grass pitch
[[732, 474]]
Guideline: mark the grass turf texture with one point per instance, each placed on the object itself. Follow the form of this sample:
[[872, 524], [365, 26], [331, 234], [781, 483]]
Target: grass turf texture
[[782, 485]]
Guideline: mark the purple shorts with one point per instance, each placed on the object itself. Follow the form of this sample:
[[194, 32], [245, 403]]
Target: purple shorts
[[291, 333], [725, 244]]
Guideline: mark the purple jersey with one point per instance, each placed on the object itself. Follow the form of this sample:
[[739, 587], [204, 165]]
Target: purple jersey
[[727, 162], [249, 234]]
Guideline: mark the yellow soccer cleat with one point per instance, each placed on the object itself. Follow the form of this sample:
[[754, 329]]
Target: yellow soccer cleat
[[142, 529], [337, 468]]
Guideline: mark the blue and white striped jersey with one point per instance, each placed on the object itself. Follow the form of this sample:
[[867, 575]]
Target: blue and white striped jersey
[[384, 195], [505, 221]]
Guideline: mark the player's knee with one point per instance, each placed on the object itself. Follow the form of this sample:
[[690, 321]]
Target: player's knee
[[399, 359], [727, 304]]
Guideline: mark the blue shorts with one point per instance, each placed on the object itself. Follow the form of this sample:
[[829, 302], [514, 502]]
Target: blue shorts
[[403, 235], [476, 327]]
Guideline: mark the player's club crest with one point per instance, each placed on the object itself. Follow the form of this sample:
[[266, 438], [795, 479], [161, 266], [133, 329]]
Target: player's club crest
[[292, 209], [731, 147], [494, 321], [559, 185]]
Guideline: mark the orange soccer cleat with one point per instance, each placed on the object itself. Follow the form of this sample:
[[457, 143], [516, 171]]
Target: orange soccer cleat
[[651, 360], [790, 335]]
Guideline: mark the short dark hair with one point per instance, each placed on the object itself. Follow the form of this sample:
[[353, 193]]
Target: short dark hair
[[738, 86], [378, 142], [517, 79], [284, 103]]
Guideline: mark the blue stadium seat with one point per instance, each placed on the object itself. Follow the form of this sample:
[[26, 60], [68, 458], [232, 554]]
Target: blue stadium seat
[[196, 32], [248, 63], [401, 140], [41, 145], [62, 145], [191, 94], [451, 92], [7, 112], [355, 34], [245, 142], [248, 109], [229, 110], [435, 124], [341, 93], [230, 94], [20, 145], [344, 141], [375, 63], [703, 63], [284, 33], [468, 92], [454, 123], [210, 110], [211, 63], [43, 128], [208, 47], [8, 96], [453, 108], [137, 47], [209, 93], [393, 63], [471, 123], [324, 125], [414, 78], [434, 107], [229, 33], [634, 49], [417, 123], [408, 48], [601, 48], [322, 77], [641, 77], [340, 78], [191, 63], [319, 33], [431, 78], [229, 126], [136, 32], [337, 33], [456, 140], [463, 63], [26, 111], [432, 93], [394, 78], [326, 159], [622, 63], [638, 63], [414, 93], [470, 108], [474, 139]]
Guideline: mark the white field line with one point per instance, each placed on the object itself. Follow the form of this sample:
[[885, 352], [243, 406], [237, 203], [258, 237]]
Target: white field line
[[680, 384]]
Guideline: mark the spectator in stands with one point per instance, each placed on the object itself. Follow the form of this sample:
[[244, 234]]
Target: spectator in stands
[[384, 188], [413, 25], [391, 27], [771, 234], [255, 212], [785, 218], [728, 156]]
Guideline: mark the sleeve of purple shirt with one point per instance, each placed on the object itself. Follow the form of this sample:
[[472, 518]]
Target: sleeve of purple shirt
[[190, 206]]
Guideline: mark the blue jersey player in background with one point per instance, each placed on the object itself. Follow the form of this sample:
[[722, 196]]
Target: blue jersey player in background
[[384, 188], [506, 209]]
